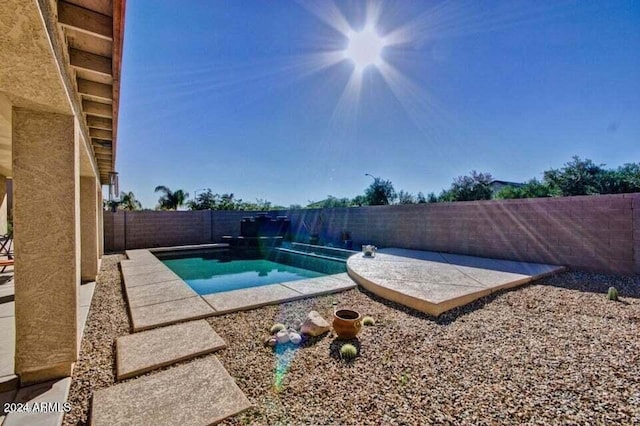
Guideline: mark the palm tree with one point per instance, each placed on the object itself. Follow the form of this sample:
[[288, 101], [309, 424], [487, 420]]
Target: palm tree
[[171, 200], [128, 201]]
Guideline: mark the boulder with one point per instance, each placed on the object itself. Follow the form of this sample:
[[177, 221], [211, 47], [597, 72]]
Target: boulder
[[295, 338], [314, 325], [282, 336]]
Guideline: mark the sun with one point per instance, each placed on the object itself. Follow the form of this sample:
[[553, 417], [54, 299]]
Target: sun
[[364, 48]]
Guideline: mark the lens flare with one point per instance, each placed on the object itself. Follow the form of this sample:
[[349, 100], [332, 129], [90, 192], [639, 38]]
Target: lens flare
[[364, 48]]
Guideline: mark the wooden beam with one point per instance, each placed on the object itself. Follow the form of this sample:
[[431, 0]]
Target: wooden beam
[[99, 123], [90, 62], [102, 143], [85, 20], [101, 134], [92, 88], [97, 109]]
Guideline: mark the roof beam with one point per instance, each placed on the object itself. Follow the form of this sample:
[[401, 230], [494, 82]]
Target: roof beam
[[85, 20], [95, 89], [101, 134], [97, 109], [90, 62], [99, 122]]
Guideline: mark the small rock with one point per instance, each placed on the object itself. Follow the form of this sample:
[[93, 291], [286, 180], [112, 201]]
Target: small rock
[[315, 325], [282, 336], [270, 341], [295, 338]]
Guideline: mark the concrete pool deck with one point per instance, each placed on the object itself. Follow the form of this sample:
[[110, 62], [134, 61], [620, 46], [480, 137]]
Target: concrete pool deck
[[434, 282]]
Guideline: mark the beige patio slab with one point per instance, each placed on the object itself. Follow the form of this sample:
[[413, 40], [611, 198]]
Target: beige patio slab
[[321, 285], [150, 316], [141, 255], [151, 294], [250, 298], [198, 393], [149, 278], [139, 353], [437, 282], [53, 392]]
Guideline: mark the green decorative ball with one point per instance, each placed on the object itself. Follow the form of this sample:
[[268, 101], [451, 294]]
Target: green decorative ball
[[368, 321]]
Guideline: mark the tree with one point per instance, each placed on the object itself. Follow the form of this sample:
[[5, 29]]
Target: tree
[[330, 202], [359, 201], [171, 200], [206, 200], [405, 197], [380, 192], [532, 189], [420, 198], [128, 202], [431, 198], [475, 186], [577, 177]]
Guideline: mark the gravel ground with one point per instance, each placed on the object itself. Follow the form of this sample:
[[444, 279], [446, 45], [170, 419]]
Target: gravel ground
[[106, 322], [554, 352]]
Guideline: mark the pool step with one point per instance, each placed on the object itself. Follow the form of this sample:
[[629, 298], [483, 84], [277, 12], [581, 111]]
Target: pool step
[[142, 352]]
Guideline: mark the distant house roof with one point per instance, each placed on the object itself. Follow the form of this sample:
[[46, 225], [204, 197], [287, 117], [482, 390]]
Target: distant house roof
[[497, 185]]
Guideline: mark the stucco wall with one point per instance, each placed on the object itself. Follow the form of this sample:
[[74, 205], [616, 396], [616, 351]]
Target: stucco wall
[[598, 233]]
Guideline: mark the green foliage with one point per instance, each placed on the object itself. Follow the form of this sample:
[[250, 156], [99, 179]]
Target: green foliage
[[207, 200], [380, 192], [420, 198], [348, 351], [405, 197], [404, 379], [473, 187], [359, 200], [171, 200], [277, 327], [128, 202], [532, 189], [368, 321], [330, 202], [431, 198], [584, 177], [612, 294]]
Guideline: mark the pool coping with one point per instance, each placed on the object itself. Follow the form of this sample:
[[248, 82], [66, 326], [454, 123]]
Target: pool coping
[[145, 272]]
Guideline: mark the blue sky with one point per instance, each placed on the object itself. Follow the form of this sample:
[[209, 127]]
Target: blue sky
[[223, 95]]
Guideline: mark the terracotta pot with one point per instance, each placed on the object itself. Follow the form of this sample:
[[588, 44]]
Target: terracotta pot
[[347, 323]]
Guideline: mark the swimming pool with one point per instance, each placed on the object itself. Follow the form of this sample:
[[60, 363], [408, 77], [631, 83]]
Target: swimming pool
[[215, 271]]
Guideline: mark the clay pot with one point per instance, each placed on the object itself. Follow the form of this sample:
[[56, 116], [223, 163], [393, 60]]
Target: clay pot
[[347, 323]]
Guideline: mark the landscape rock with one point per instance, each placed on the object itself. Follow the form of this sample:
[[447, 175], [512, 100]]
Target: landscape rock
[[282, 336], [295, 338], [315, 325]]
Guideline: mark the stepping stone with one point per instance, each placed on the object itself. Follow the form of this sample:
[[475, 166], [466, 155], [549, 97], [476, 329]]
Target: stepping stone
[[151, 316], [141, 352], [158, 293], [198, 393], [249, 298], [137, 268]]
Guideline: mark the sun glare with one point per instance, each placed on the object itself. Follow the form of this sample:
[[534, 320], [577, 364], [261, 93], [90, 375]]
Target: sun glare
[[364, 48]]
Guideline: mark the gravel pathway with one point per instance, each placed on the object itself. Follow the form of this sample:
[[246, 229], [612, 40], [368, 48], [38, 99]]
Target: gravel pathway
[[106, 322], [554, 352]]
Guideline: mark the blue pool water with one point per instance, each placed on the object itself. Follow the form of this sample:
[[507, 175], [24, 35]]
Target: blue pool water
[[214, 273]]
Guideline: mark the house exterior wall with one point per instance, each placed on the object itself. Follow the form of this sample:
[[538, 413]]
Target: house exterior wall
[[595, 233]]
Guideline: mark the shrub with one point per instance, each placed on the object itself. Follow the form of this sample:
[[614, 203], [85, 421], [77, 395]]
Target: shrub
[[612, 294], [348, 351]]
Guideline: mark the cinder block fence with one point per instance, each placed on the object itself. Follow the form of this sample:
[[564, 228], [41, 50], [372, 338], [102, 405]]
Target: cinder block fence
[[595, 233]]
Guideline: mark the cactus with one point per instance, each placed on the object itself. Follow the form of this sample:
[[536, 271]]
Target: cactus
[[612, 294], [348, 351], [277, 327], [368, 321]]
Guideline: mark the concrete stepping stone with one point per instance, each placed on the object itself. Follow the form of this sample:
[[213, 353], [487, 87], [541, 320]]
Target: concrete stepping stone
[[141, 352], [198, 393], [151, 316]]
